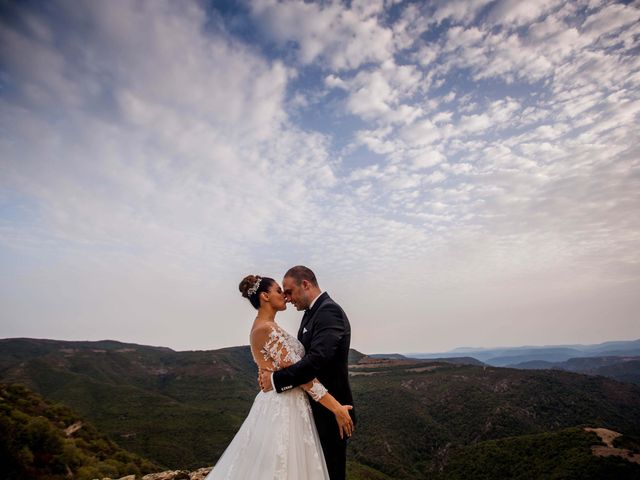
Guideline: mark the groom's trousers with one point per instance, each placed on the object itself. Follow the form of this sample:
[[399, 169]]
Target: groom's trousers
[[333, 447]]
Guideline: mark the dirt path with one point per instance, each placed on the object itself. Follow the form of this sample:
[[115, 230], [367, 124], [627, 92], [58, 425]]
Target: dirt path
[[607, 437]]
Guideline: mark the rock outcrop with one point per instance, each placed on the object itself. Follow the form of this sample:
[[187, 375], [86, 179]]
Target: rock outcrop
[[607, 437], [199, 474]]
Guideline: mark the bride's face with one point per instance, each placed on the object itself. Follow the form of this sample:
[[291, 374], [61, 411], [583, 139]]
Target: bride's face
[[276, 297]]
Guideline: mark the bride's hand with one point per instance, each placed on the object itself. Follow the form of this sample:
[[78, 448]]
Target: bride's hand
[[345, 423], [264, 379]]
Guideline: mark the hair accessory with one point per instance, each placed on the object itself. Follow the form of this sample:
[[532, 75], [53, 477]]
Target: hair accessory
[[254, 288]]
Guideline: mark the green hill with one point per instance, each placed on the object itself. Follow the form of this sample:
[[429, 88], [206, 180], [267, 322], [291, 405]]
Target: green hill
[[181, 409], [178, 408], [40, 439], [565, 454]]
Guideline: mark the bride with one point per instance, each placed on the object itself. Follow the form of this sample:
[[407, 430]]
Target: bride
[[278, 439]]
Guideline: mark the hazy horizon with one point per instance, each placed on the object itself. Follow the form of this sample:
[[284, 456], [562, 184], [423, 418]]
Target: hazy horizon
[[453, 350], [456, 173]]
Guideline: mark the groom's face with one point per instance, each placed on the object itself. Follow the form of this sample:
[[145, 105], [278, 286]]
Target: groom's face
[[295, 293]]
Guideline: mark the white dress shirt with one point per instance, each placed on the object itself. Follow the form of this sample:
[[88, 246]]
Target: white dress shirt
[[314, 301]]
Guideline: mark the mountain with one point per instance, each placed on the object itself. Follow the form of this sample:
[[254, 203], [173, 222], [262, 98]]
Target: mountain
[[389, 356], [623, 369], [180, 409], [510, 356], [41, 439], [400, 357]]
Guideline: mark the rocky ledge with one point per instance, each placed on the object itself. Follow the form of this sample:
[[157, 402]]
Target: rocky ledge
[[169, 475]]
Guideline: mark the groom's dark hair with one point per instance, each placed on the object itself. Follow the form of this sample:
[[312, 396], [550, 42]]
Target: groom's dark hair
[[300, 273]]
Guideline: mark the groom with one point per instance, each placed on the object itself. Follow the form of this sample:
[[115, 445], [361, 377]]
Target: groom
[[326, 334]]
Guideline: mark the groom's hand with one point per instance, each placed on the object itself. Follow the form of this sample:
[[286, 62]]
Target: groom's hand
[[264, 379], [345, 423]]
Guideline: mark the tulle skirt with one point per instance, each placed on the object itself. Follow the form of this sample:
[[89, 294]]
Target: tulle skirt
[[277, 441]]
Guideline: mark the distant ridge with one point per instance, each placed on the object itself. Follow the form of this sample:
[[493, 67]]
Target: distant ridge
[[34, 345], [510, 356], [454, 360], [621, 368]]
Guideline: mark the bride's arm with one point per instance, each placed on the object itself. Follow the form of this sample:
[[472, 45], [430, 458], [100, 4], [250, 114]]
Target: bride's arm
[[270, 346], [341, 412]]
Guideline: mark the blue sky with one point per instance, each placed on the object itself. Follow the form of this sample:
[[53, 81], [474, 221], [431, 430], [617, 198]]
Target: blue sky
[[457, 173]]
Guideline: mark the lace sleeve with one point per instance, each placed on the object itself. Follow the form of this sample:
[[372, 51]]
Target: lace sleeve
[[283, 350]]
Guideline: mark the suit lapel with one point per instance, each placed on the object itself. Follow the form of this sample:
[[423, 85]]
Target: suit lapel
[[308, 316], [303, 322]]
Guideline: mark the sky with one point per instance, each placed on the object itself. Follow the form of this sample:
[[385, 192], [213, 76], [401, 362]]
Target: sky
[[457, 173]]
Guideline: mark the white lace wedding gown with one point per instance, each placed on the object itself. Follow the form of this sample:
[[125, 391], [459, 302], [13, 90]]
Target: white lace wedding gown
[[278, 440]]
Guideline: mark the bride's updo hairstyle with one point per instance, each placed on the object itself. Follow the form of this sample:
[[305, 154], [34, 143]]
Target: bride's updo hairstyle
[[252, 286]]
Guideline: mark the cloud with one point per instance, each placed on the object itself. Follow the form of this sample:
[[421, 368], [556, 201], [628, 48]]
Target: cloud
[[114, 144], [609, 20], [458, 10], [343, 37], [421, 133], [132, 163], [426, 158], [154, 152], [514, 13], [379, 93]]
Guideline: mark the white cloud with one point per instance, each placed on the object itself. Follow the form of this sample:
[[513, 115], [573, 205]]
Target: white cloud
[[408, 28], [442, 117], [459, 37], [376, 141], [371, 97], [135, 164], [147, 149], [435, 177], [343, 37], [426, 158], [421, 133], [458, 168], [378, 94], [475, 123], [426, 55], [514, 12], [372, 171], [332, 81], [458, 10], [610, 20]]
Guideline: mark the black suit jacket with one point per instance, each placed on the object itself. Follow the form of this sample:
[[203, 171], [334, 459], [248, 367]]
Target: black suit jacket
[[325, 333]]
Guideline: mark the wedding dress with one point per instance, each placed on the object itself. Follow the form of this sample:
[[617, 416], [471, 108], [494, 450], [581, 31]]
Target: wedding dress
[[278, 440]]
